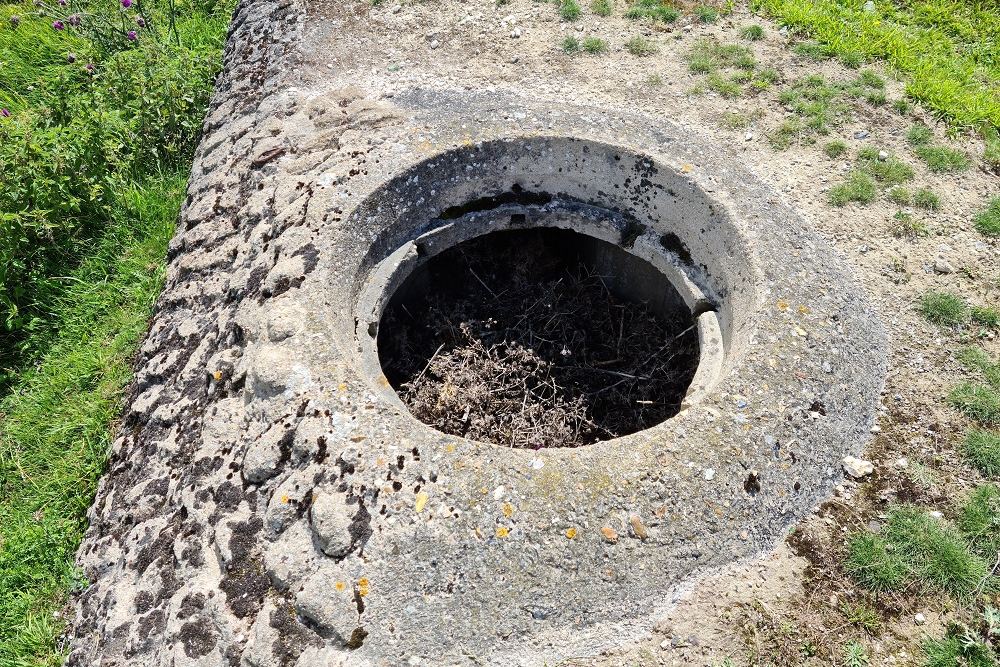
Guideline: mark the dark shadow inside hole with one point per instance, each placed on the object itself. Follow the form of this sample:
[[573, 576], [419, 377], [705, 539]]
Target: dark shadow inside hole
[[538, 338]]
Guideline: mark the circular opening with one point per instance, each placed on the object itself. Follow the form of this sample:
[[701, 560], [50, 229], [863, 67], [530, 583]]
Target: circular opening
[[538, 337]]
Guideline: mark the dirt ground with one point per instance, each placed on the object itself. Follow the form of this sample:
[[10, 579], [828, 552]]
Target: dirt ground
[[787, 606]]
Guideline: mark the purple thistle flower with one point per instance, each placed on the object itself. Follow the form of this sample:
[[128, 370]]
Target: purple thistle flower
[[58, 25], [126, 3], [15, 21], [5, 113], [141, 22], [71, 57], [132, 36], [62, 3], [90, 68], [73, 20]]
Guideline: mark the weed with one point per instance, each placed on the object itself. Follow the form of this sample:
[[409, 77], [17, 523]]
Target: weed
[[855, 655], [571, 45], [595, 45], [986, 316], [640, 46], [991, 152], [873, 565], [859, 187], [811, 50], [982, 449], [926, 199], [765, 78], [902, 106], [753, 32], [734, 120], [656, 10], [835, 149], [919, 135], [602, 7], [987, 222], [864, 616], [888, 171], [941, 159], [706, 13], [943, 308], [654, 80], [905, 226], [960, 648], [980, 403], [851, 59], [726, 88], [815, 102], [979, 520], [901, 196], [569, 10]]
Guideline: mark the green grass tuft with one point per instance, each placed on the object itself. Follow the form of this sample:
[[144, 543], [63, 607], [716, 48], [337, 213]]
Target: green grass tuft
[[569, 10], [640, 46], [706, 13], [926, 199], [812, 51], [905, 226], [982, 449], [602, 7], [890, 171], [656, 10], [752, 33], [726, 88], [874, 565], [986, 316], [595, 45], [943, 308], [835, 149], [901, 196], [859, 188], [987, 222], [978, 402], [919, 135], [941, 159], [571, 45], [979, 521]]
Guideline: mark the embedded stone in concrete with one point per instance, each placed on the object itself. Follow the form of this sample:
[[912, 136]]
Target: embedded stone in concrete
[[314, 200]]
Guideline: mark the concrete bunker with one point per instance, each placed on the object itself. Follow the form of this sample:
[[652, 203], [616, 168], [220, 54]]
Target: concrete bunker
[[582, 223]]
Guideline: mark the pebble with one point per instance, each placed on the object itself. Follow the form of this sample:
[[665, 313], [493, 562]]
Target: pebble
[[857, 468], [435, 44], [860, 134], [883, 156], [902, 463], [515, 33], [937, 515], [942, 265], [748, 136], [919, 619], [709, 474], [869, 6]]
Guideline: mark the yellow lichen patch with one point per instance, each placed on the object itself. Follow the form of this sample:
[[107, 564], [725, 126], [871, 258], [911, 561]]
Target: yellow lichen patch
[[782, 304], [340, 586], [217, 375], [570, 533], [421, 501], [450, 448], [503, 531], [508, 510], [686, 168], [342, 386], [804, 310], [284, 499], [363, 586]]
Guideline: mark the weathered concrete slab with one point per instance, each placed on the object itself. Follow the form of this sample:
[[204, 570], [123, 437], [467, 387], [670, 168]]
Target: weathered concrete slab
[[271, 502]]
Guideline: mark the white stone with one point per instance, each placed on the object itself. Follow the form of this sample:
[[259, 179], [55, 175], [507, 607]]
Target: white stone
[[857, 468]]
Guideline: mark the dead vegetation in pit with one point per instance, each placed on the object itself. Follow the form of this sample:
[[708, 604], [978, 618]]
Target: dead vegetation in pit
[[514, 339]]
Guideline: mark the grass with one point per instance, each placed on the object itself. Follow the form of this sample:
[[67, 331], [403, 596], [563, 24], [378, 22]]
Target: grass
[[569, 10], [820, 105], [858, 188], [986, 316], [944, 49], [982, 450], [640, 46], [957, 651], [834, 149], [602, 7], [887, 171], [942, 160], [944, 308], [979, 521], [753, 32], [595, 45], [914, 548], [655, 10], [987, 222], [571, 45], [811, 50], [926, 199], [55, 424], [900, 195], [905, 226], [706, 13], [919, 135]]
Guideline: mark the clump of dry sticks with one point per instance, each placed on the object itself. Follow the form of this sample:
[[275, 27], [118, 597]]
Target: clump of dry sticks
[[516, 343]]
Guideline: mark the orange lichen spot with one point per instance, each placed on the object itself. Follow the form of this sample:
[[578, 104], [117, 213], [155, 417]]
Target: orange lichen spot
[[686, 168], [217, 375], [503, 531], [610, 534], [570, 533], [363, 586], [782, 304], [508, 510], [340, 586], [284, 499]]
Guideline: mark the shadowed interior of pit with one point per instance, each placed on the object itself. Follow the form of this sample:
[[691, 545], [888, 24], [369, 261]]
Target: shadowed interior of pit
[[538, 338]]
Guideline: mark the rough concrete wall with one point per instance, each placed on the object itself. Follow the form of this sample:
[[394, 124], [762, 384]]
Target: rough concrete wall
[[146, 549]]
